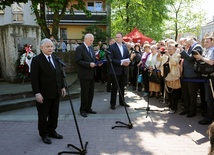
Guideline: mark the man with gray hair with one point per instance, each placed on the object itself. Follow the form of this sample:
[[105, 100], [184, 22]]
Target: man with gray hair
[[47, 84], [85, 60]]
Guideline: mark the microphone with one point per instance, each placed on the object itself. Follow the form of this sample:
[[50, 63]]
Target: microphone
[[61, 62], [107, 52]]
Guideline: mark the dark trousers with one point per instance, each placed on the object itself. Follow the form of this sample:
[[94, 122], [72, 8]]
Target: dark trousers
[[145, 76], [189, 92], [121, 81], [209, 99], [48, 113], [87, 94], [173, 98], [135, 73]]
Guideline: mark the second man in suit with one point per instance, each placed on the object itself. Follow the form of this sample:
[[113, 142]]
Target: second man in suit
[[85, 60], [119, 52]]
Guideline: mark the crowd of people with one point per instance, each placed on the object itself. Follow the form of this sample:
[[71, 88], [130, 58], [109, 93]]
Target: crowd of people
[[62, 46], [167, 70]]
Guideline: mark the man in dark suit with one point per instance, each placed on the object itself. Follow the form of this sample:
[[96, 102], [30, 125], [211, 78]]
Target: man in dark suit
[[85, 60], [47, 84], [189, 76], [118, 51]]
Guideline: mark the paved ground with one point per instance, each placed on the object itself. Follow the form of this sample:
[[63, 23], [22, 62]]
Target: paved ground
[[157, 134]]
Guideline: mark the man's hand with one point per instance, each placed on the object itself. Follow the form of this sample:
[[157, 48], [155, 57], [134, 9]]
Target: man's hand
[[39, 98], [125, 63], [197, 56], [92, 65], [63, 92]]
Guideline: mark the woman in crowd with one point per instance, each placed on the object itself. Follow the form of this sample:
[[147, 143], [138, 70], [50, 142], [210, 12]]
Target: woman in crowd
[[135, 62], [170, 71], [144, 69], [152, 64]]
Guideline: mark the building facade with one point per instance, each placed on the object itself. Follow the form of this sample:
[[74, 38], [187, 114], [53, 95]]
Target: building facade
[[17, 28], [72, 26]]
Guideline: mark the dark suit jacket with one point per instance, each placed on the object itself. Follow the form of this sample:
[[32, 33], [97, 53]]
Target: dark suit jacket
[[83, 60], [116, 58], [44, 79], [189, 61]]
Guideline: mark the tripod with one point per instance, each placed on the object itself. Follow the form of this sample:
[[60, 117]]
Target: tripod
[[129, 125], [82, 150], [147, 107]]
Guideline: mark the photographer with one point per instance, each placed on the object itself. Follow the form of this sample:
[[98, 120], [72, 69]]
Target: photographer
[[136, 62], [207, 57], [190, 85], [170, 72]]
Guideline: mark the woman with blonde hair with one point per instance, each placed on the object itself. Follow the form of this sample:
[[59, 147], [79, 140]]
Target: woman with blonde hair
[[152, 64], [170, 71]]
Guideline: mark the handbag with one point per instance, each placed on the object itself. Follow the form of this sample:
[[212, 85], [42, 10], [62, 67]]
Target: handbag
[[202, 67], [174, 84], [140, 78], [154, 77]]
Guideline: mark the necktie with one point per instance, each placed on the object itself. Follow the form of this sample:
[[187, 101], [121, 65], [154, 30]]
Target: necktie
[[89, 51], [49, 60]]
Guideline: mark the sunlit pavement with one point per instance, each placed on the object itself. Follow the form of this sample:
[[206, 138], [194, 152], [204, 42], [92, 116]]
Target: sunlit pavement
[[155, 133]]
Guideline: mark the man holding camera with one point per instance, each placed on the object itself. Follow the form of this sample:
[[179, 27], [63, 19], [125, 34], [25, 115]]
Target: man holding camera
[[190, 85], [208, 57]]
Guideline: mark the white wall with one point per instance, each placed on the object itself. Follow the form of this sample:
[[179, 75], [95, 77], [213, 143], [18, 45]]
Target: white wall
[[28, 17]]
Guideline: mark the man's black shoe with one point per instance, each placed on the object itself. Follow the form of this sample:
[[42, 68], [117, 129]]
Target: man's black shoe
[[83, 114], [113, 107], [91, 112], [205, 122], [126, 105], [56, 135], [190, 115], [183, 113], [46, 140]]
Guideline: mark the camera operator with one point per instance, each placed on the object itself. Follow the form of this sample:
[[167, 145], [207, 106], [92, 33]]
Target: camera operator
[[190, 85], [136, 62], [208, 57], [170, 72]]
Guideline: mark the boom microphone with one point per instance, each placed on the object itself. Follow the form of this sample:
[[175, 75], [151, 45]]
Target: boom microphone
[[61, 62], [107, 52]]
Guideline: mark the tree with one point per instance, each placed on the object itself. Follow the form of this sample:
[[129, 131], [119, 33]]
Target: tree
[[58, 7], [184, 17], [146, 15], [99, 34]]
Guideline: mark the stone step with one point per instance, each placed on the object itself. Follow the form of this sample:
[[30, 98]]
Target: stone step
[[19, 100], [19, 103], [13, 96]]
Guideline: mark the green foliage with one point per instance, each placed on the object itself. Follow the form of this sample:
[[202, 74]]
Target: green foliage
[[4, 3], [99, 34], [184, 17], [146, 15]]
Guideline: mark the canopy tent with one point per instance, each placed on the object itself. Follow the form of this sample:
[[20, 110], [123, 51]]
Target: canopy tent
[[136, 36]]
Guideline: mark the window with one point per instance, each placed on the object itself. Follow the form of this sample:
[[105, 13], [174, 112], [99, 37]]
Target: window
[[63, 33], [98, 6], [1, 10], [95, 6], [18, 11]]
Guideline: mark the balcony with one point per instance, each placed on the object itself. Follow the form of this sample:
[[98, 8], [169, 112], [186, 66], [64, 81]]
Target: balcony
[[79, 17]]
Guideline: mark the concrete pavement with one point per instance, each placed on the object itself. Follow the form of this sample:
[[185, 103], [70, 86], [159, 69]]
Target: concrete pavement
[[158, 134]]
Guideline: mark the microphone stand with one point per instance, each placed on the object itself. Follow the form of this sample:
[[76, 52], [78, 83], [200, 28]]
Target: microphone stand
[[125, 125], [82, 150], [148, 107]]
